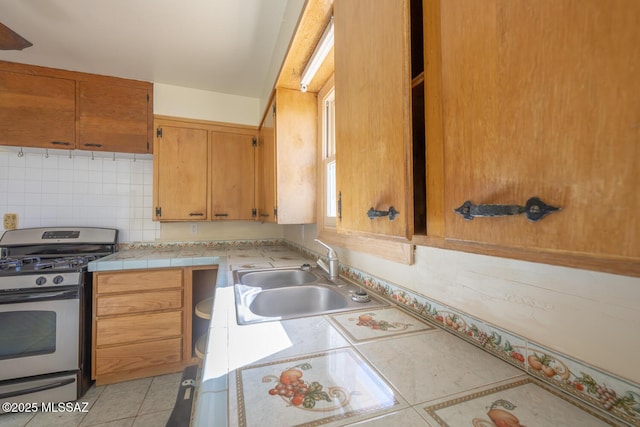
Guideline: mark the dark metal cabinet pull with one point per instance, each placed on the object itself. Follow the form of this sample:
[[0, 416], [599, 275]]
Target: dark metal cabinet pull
[[221, 214], [92, 145], [391, 213], [65, 143], [534, 210], [196, 214]]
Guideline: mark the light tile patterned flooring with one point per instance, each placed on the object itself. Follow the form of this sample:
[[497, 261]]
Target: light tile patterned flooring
[[139, 403]]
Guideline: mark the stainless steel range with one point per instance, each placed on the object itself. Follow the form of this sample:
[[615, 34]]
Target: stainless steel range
[[45, 311]]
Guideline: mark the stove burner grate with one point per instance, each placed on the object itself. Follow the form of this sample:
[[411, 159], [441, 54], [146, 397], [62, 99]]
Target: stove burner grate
[[16, 263], [37, 264]]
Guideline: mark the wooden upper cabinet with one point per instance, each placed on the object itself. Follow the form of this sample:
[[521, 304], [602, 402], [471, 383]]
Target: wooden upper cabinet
[[50, 108], [232, 176], [181, 160], [37, 111], [287, 159], [373, 115], [541, 99], [113, 117], [204, 170]]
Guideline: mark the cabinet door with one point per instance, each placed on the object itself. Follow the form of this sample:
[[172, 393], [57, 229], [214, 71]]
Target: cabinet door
[[129, 361], [540, 99], [373, 115], [232, 176], [37, 111], [114, 117], [181, 159], [267, 168], [295, 136]]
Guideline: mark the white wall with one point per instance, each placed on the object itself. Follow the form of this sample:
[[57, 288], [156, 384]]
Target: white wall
[[179, 101], [219, 230], [591, 316], [78, 191]]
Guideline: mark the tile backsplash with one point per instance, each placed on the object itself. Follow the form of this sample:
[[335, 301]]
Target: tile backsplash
[[79, 188]]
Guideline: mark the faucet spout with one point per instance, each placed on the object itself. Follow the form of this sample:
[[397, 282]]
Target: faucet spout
[[333, 269]]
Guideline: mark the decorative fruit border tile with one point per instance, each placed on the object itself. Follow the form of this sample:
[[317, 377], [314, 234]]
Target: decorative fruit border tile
[[609, 393], [205, 244]]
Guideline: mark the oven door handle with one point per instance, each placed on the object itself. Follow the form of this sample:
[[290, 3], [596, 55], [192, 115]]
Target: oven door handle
[[38, 296], [37, 388]]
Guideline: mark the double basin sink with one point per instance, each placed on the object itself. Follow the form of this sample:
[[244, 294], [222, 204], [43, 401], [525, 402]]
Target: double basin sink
[[287, 293]]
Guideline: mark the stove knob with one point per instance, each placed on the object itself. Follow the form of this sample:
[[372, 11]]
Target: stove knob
[[58, 279], [41, 280]]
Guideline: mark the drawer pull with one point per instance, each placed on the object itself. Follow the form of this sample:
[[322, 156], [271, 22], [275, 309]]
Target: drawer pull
[[92, 145], [221, 214], [196, 214], [534, 210], [391, 213], [65, 143]]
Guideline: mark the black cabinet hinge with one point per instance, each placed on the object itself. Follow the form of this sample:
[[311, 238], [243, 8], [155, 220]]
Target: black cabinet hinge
[[254, 213], [147, 98], [275, 212], [159, 133], [254, 141], [340, 205], [274, 108], [158, 211]]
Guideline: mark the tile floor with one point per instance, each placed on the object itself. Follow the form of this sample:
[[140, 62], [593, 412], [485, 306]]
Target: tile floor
[[139, 403]]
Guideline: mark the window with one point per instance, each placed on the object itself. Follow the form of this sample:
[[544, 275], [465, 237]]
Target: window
[[329, 158]]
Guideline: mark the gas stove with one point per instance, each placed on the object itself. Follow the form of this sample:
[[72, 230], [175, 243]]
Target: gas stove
[[53, 256], [46, 311]]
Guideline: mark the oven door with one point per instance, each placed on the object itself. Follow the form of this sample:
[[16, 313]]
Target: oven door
[[39, 332]]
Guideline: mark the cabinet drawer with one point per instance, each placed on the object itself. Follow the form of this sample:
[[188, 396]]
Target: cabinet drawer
[[138, 303], [138, 356], [143, 327], [139, 280]]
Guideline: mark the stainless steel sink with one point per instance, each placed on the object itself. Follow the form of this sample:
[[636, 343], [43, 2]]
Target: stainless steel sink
[[287, 293], [276, 277]]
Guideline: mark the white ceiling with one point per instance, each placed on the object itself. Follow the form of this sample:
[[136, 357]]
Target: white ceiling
[[226, 46]]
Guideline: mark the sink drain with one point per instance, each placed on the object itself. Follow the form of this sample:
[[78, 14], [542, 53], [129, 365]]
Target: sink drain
[[360, 296]]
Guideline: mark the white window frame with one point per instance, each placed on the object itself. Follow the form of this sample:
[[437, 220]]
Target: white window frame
[[326, 149], [329, 158]]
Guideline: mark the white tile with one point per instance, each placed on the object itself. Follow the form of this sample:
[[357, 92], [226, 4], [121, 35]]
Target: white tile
[[16, 185], [58, 183], [65, 175], [81, 175], [81, 163], [435, 364], [33, 160], [33, 174], [109, 182], [15, 161]]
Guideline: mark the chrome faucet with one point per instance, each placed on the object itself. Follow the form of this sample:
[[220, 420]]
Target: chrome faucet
[[333, 269]]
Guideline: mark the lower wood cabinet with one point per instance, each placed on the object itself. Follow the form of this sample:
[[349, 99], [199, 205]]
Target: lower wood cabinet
[[116, 363], [139, 326]]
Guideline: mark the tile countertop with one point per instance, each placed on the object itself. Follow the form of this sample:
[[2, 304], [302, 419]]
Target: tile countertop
[[378, 367]]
